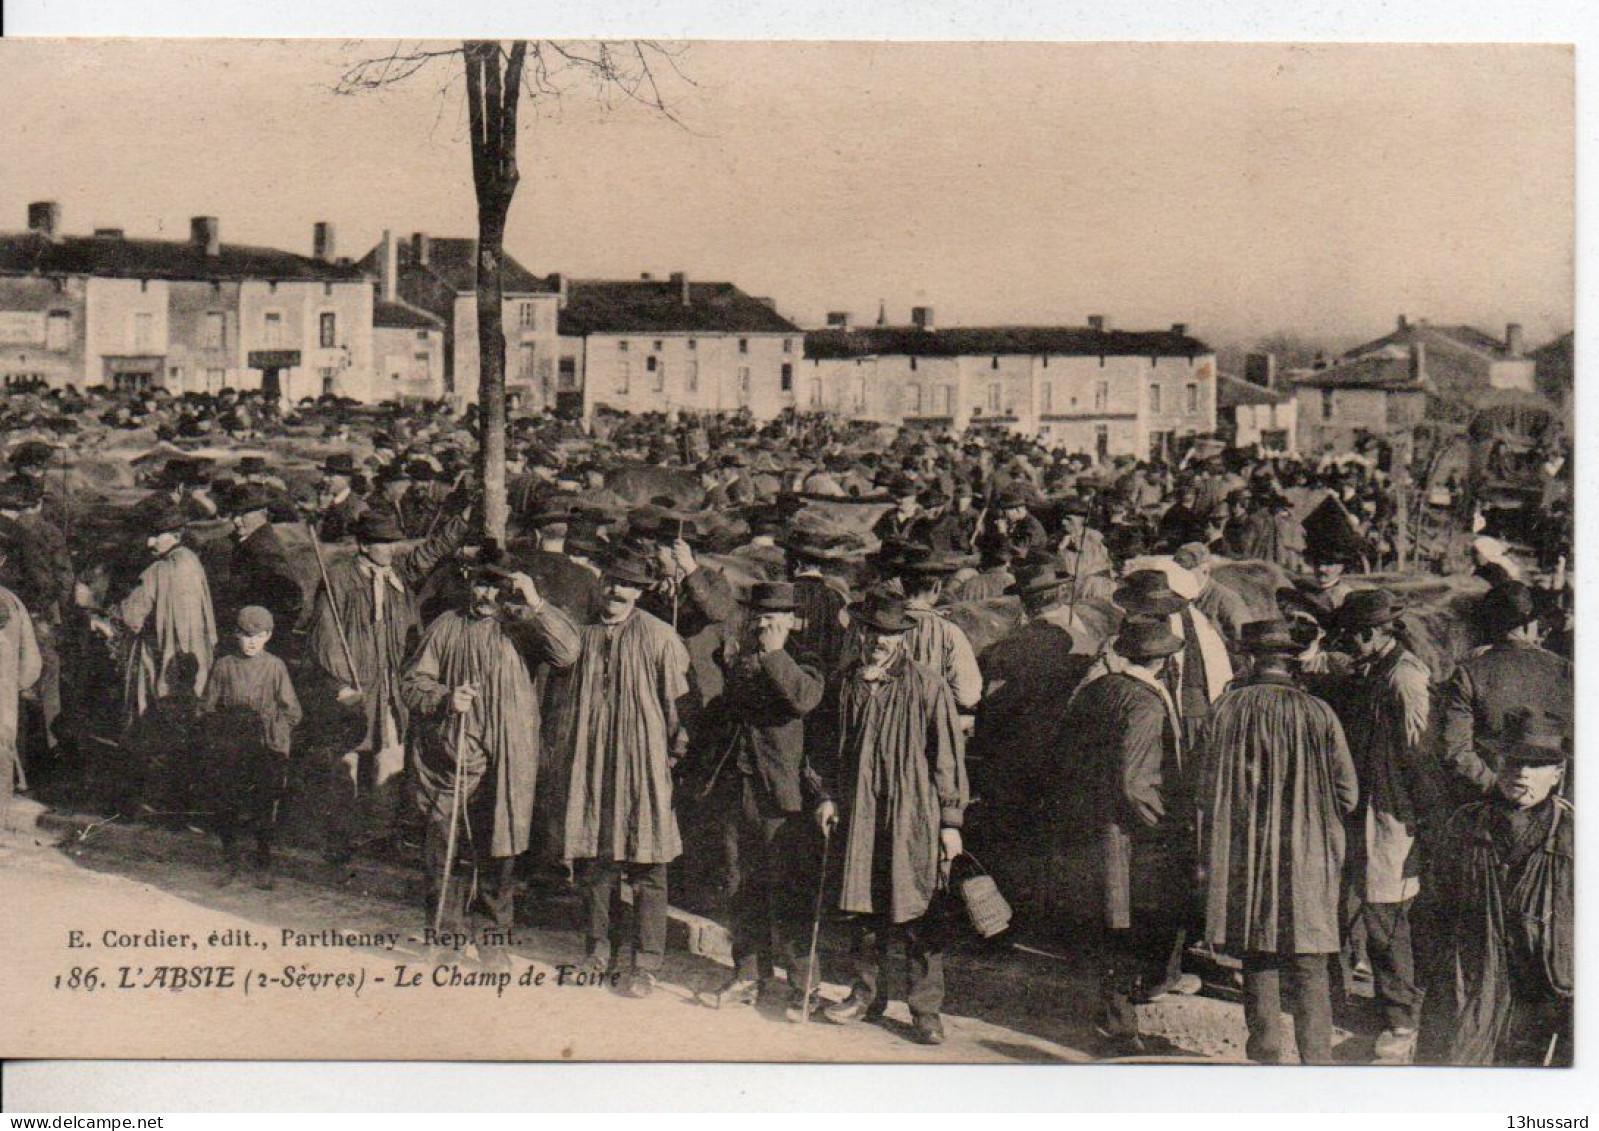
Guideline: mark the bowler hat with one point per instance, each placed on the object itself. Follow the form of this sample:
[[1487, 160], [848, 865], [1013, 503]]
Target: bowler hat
[[1368, 608], [1533, 738], [883, 610], [378, 526], [169, 521], [630, 569], [1270, 635], [1148, 591], [771, 597], [339, 463], [1010, 498], [1141, 640], [902, 487], [32, 453], [1041, 578], [247, 497]]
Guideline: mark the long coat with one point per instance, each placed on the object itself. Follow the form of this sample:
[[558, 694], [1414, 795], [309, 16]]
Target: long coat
[[1123, 732], [899, 778], [631, 680], [499, 735], [1483, 692], [19, 670], [1276, 784], [379, 649], [763, 708], [167, 614]]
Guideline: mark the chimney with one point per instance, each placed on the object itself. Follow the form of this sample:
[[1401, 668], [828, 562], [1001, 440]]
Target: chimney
[[1180, 329], [388, 268], [1513, 341], [838, 320], [420, 250], [563, 287], [882, 313], [1096, 323], [680, 281], [1418, 361], [206, 236], [1261, 369], [322, 241], [108, 233], [922, 317], [44, 219], [1402, 323]]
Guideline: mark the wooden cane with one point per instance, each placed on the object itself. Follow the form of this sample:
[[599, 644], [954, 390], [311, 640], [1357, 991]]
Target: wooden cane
[[333, 604], [816, 929], [455, 815]]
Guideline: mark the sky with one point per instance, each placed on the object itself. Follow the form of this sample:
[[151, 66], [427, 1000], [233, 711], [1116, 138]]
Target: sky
[[1243, 189]]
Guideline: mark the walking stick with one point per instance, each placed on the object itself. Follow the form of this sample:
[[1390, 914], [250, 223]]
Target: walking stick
[[816, 930], [333, 605], [455, 814]]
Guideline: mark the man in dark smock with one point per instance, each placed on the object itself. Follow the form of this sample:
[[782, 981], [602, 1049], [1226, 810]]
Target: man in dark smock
[[1277, 783], [1505, 892], [1127, 737], [901, 783], [632, 678], [472, 702]]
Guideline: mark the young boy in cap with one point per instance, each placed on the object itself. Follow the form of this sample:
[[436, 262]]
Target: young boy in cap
[[249, 711]]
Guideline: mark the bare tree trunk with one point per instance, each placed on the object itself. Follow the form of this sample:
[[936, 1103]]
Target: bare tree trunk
[[493, 85]]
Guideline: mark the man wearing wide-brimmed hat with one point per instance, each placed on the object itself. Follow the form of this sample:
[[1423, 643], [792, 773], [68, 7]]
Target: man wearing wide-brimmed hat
[[368, 615], [167, 614], [898, 523], [935, 641], [469, 688], [1123, 730], [1510, 673], [1387, 719], [760, 786], [1276, 784], [819, 567], [1505, 891], [1014, 521], [261, 571], [337, 500], [632, 689], [898, 790]]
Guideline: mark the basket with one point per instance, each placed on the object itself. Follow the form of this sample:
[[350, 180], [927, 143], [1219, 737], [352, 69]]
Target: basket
[[986, 906]]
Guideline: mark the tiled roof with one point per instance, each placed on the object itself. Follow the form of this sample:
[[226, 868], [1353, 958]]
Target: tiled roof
[[988, 340], [1234, 391], [403, 316], [1389, 371], [451, 269], [1467, 337], [27, 253], [643, 306]]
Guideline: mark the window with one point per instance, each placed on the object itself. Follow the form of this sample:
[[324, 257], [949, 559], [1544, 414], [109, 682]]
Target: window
[[328, 373], [623, 372], [621, 346], [948, 392], [421, 335], [1154, 398], [650, 364], [546, 371], [1046, 397], [327, 336], [272, 329], [1101, 396], [527, 316], [787, 381], [526, 362], [744, 379], [860, 395], [658, 345], [216, 330], [660, 375], [1192, 391], [693, 345], [914, 392], [788, 345], [692, 375], [143, 332], [816, 392], [568, 374], [215, 379], [993, 397], [419, 366], [58, 330], [1326, 404], [993, 362], [743, 345]]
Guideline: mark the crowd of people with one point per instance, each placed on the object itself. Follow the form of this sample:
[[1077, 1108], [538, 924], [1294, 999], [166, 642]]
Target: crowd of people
[[1284, 775]]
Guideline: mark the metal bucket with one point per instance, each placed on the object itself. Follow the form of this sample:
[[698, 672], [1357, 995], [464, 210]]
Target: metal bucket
[[986, 907]]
